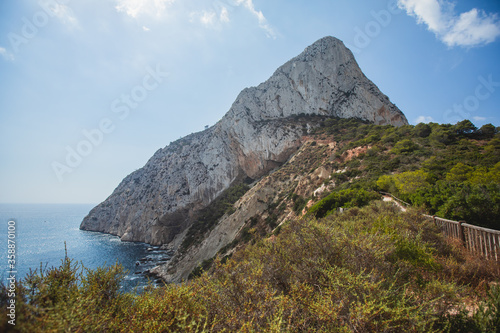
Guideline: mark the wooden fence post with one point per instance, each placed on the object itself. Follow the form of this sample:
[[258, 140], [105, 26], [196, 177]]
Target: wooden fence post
[[461, 233]]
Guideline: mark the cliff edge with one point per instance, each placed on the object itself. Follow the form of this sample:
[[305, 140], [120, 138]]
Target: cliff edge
[[159, 202]]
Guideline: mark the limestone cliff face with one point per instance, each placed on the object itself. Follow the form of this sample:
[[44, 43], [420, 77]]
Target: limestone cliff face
[[272, 189], [157, 203]]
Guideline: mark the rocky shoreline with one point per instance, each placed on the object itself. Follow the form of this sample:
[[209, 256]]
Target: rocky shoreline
[[157, 255]]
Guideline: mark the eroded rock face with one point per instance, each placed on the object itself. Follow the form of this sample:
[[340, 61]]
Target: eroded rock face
[[156, 203]]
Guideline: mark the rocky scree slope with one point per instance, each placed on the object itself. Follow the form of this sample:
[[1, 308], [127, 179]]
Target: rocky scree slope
[[271, 201], [159, 202]]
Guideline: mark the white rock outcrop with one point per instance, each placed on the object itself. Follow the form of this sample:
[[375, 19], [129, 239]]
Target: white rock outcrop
[[157, 202]]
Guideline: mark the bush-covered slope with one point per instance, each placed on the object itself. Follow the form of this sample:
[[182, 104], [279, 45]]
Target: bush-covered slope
[[448, 170], [452, 171], [374, 269]]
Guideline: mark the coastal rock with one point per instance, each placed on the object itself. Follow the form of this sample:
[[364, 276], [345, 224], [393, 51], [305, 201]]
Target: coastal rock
[[158, 203]]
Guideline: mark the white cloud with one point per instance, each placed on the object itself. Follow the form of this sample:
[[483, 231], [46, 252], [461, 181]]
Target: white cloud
[[477, 118], [145, 28], [219, 14], [248, 4], [473, 28], [135, 8], [6, 54], [211, 18], [424, 119], [62, 12], [207, 18], [224, 15], [65, 14], [469, 29]]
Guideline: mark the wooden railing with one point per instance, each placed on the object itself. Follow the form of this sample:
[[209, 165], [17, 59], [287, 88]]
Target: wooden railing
[[450, 228], [483, 241]]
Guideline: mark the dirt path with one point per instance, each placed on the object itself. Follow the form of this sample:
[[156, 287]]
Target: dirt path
[[389, 198]]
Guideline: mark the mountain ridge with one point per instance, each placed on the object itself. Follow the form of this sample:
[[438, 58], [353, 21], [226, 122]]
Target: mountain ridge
[[159, 202]]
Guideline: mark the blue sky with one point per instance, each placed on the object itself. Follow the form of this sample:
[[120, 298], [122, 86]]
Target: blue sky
[[90, 89]]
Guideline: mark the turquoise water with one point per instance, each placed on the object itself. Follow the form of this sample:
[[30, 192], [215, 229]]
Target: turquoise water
[[41, 231]]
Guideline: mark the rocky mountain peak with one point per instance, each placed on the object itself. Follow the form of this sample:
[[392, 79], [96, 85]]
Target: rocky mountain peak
[[327, 47], [324, 79], [158, 203]]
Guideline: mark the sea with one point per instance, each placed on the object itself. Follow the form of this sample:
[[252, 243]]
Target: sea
[[42, 234]]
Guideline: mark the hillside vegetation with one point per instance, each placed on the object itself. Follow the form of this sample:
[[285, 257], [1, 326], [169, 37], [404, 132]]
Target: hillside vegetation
[[373, 269], [452, 171], [300, 265]]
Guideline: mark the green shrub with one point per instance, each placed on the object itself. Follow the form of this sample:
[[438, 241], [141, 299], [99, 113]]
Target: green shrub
[[405, 146], [299, 203], [344, 199], [486, 318]]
